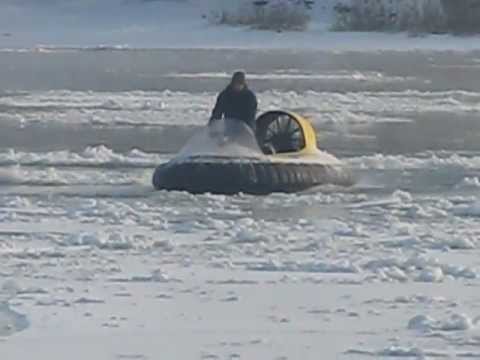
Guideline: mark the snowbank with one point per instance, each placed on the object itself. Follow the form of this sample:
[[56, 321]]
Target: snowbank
[[182, 24]]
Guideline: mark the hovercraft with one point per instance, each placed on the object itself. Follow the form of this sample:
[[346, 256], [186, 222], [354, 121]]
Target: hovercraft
[[228, 158]]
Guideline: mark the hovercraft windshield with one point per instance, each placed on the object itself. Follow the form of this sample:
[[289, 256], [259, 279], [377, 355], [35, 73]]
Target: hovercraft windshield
[[226, 138]]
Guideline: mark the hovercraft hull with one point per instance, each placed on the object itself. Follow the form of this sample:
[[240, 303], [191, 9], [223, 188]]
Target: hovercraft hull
[[258, 176]]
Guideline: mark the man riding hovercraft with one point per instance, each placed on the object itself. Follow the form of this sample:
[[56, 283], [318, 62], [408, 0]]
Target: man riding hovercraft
[[275, 152], [237, 102]]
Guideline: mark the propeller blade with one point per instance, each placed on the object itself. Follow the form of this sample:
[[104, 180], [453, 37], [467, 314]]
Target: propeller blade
[[289, 125], [295, 131]]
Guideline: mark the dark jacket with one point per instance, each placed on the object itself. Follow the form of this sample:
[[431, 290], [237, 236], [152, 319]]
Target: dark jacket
[[238, 105]]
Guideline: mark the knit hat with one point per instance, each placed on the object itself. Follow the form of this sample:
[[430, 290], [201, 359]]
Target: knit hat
[[239, 77]]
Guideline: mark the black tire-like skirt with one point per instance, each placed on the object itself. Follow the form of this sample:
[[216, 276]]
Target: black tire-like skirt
[[221, 175]]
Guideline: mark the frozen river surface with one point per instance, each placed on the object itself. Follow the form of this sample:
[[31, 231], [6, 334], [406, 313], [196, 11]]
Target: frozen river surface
[[95, 264]]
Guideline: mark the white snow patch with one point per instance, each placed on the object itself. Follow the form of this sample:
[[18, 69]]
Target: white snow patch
[[156, 276], [469, 183], [370, 76], [472, 210], [250, 236], [10, 176], [342, 266], [11, 321], [91, 156], [448, 241], [86, 301], [454, 322], [421, 268], [433, 301], [28, 253], [104, 241], [403, 162], [432, 274], [396, 351]]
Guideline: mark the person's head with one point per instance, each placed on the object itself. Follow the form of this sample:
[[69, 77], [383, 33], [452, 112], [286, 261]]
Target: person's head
[[239, 81]]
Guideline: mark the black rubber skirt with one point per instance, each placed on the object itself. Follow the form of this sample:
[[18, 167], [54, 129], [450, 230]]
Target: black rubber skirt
[[220, 175]]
